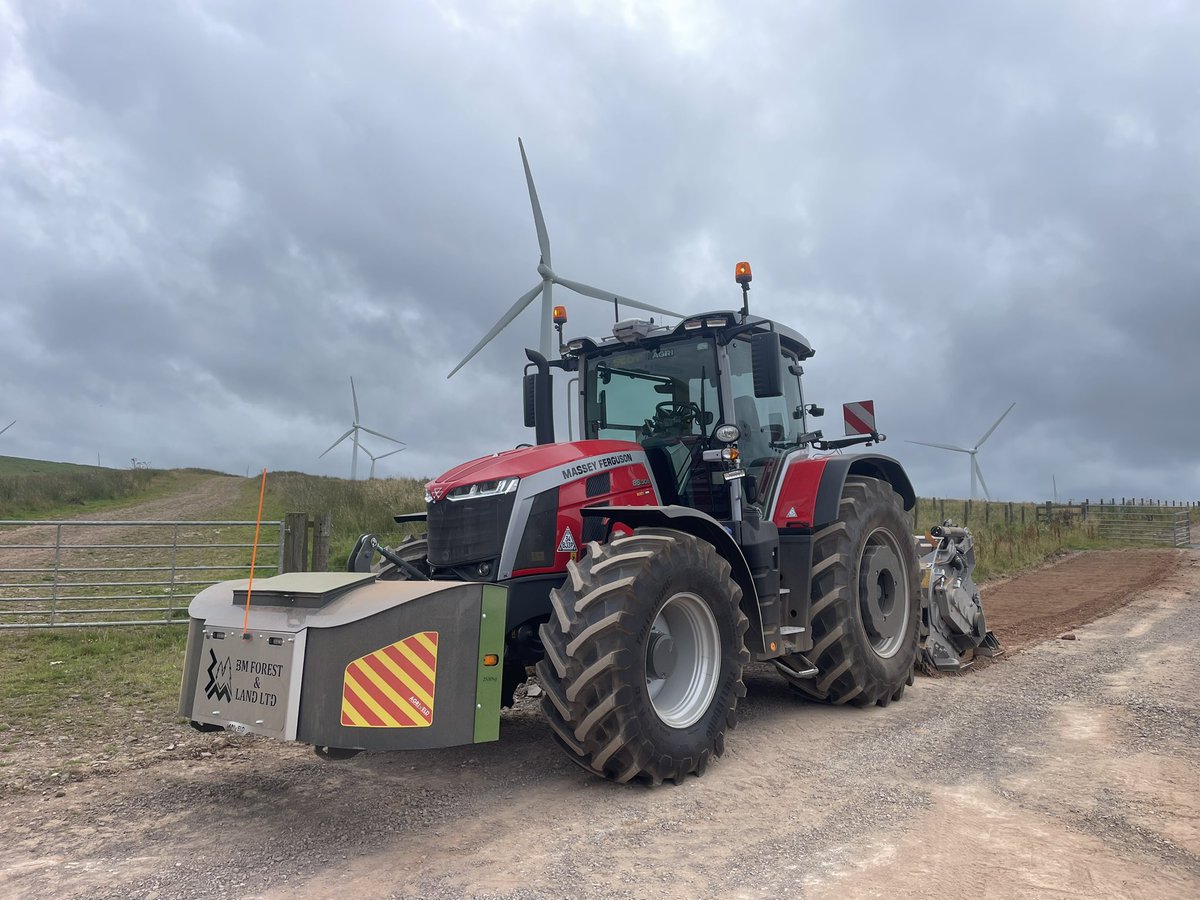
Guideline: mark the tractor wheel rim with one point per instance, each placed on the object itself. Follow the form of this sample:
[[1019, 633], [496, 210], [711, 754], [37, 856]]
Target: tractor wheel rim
[[683, 660], [883, 594]]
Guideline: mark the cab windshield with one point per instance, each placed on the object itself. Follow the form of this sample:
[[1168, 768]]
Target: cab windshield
[[667, 400], [639, 393]]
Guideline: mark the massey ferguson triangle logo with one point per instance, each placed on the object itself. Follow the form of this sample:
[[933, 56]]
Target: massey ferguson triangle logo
[[435, 492], [218, 679]]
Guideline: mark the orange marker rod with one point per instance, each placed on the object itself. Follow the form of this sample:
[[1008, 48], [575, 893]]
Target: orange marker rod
[[254, 553]]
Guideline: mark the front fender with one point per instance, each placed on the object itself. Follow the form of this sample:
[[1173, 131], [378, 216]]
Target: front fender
[[703, 526]]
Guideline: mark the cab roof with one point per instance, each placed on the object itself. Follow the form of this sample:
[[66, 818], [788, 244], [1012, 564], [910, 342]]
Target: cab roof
[[724, 324]]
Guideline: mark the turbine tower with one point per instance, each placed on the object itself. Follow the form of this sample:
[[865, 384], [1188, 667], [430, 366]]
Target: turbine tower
[[976, 472], [375, 459], [352, 433], [546, 285]]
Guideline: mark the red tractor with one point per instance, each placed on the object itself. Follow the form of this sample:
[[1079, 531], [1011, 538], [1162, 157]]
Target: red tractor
[[690, 531]]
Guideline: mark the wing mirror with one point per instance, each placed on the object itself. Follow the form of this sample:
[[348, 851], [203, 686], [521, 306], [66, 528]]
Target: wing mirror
[[766, 362]]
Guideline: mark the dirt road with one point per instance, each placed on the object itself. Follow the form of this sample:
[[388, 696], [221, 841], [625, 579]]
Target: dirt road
[[211, 498], [1067, 770]]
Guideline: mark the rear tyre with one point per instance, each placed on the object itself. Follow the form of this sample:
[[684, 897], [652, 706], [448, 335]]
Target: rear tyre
[[866, 605], [644, 656]]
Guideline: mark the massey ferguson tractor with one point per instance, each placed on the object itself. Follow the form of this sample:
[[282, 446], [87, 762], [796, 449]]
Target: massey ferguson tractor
[[699, 524]]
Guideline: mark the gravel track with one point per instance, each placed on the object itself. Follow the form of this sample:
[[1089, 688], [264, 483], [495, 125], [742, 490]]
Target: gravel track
[[1066, 770], [210, 499]]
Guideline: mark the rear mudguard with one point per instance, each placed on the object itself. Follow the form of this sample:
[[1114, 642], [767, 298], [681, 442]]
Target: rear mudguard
[[810, 490], [342, 660]]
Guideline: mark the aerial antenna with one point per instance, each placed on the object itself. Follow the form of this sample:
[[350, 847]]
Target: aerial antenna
[[546, 285]]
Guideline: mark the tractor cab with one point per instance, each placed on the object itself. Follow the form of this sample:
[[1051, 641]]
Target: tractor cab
[[716, 402]]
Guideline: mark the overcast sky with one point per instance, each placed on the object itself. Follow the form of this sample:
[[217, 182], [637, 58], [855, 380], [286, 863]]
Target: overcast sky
[[213, 214]]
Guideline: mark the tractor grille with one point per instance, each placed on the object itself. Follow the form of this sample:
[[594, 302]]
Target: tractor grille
[[466, 531]]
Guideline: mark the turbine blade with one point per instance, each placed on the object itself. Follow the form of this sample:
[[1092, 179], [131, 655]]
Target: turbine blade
[[987, 434], [939, 446], [381, 435], [979, 475], [354, 394], [516, 308], [391, 453], [538, 221], [338, 441], [8, 426], [589, 291]]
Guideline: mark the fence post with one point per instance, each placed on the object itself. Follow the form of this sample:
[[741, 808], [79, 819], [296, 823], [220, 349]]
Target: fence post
[[295, 542], [57, 558], [987, 512], [174, 558], [322, 531], [1022, 513], [967, 514]]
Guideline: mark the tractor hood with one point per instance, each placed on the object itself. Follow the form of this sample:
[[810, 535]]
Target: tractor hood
[[523, 462]]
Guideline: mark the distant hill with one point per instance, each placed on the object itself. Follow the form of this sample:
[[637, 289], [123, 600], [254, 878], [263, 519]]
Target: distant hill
[[15, 465]]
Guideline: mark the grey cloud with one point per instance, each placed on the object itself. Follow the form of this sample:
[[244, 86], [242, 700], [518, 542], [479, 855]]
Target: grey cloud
[[211, 216]]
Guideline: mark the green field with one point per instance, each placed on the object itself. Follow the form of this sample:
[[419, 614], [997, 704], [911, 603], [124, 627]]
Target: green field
[[37, 489], [15, 465]]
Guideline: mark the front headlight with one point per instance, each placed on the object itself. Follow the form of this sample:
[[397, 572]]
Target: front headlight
[[727, 434], [484, 489]]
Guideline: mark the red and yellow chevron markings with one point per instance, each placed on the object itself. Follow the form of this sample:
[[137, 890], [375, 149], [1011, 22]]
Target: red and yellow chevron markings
[[393, 686]]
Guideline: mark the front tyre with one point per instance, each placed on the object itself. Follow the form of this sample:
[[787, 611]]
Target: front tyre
[[644, 656], [866, 604]]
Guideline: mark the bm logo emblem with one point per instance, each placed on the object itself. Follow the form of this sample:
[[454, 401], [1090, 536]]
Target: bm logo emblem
[[219, 678]]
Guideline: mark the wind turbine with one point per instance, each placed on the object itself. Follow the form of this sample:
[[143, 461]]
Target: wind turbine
[[8, 426], [976, 472], [375, 459], [353, 434], [546, 285]]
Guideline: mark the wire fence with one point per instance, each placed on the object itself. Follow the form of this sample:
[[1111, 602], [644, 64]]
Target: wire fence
[[1134, 519], [72, 574]]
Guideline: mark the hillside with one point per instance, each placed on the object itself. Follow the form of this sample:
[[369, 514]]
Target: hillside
[[15, 465]]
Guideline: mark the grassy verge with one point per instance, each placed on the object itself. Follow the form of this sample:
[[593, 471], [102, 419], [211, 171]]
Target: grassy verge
[[76, 701], [356, 506], [78, 490], [1008, 536]]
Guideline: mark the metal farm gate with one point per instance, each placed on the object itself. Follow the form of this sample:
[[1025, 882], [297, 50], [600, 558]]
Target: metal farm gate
[[1152, 524], [70, 573], [1143, 523]]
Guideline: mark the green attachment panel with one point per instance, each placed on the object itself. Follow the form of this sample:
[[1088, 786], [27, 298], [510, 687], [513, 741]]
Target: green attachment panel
[[488, 683]]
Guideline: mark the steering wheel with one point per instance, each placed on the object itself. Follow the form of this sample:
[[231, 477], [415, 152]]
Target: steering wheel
[[673, 417]]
